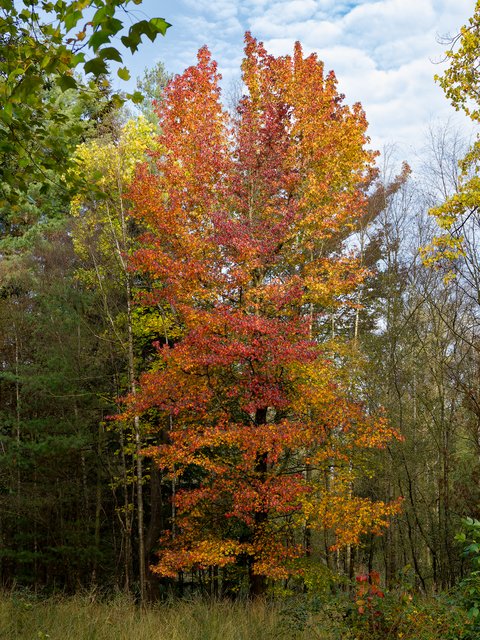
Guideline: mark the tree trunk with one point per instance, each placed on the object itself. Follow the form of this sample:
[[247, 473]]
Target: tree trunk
[[258, 583]]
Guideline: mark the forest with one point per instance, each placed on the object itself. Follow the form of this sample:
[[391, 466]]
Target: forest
[[239, 372]]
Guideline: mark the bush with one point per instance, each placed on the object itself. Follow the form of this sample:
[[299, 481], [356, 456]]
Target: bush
[[402, 613], [468, 590]]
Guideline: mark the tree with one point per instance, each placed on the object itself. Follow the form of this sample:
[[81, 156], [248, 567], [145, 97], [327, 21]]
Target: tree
[[455, 250], [72, 490], [263, 435], [55, 378], [421, 368], [461, 80], [40, 48], [461, 84], [151, 85], [104, 237], [44, 200]]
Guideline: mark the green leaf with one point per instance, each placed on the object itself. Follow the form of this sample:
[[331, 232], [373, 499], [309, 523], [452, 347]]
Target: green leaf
[[47, 61], [98, 38], [66, 81], [112, 26], [78, 58], [100, 15], [110, 53], [29, 85], [71, 19], [136, 97], [160, 25], [139, 28], [96, 66], [123, 73], [117, 100], [135, 34], [16, 72], [131, 42], [6, 112]]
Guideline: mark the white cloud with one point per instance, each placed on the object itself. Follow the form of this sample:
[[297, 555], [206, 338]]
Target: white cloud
[[314, 33], [292, 10], [221, 9], [372, 23], [382, 51]]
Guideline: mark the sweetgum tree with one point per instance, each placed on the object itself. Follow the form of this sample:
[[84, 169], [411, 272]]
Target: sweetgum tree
[[247, 215]]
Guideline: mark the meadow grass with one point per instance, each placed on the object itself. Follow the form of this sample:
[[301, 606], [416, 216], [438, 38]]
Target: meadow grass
[[25, 617], [81, 618]]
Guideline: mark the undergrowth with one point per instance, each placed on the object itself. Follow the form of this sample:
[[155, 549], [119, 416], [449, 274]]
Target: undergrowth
[[364, 613]]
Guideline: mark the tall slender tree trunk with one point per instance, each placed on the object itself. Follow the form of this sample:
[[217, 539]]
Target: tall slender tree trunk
[[98, 504], [17, 412], [136, 421], [133, 391], [258, 583], [122, 246]]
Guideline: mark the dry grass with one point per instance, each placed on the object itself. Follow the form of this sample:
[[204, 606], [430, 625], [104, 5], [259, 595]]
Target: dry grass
[[23, 618]]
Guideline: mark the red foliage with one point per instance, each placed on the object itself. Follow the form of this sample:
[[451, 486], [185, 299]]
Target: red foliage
[[246, 219], [368, 594]]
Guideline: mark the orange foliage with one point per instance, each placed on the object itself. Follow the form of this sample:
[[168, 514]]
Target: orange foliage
[[246, 218]]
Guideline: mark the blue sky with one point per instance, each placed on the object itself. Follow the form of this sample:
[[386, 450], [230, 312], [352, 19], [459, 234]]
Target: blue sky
[[382, 51]]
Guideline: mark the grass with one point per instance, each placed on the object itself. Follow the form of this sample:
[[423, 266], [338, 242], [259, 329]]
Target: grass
[[78, 618], [24, 617]]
